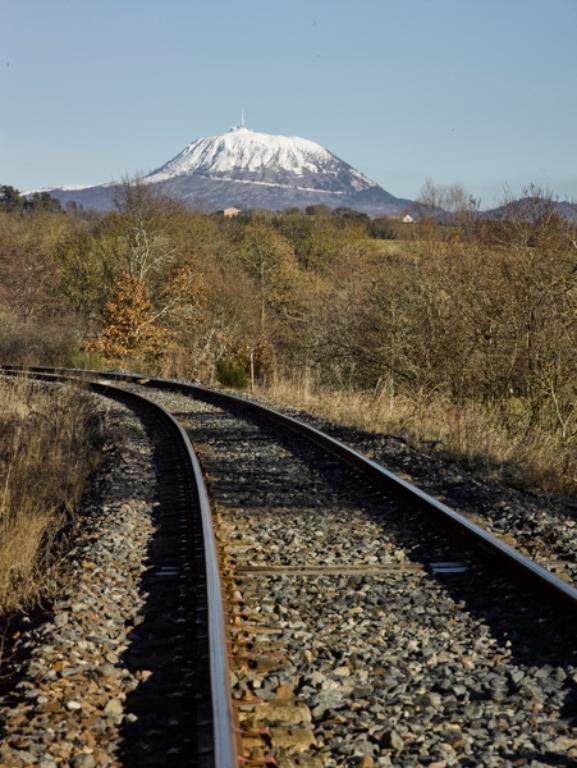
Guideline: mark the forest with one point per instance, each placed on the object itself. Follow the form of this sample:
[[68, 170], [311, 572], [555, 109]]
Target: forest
[[459, 333]]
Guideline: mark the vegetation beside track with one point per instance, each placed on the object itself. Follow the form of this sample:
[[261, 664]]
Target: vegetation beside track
[[48, 448], [459, 333], [471, 434]]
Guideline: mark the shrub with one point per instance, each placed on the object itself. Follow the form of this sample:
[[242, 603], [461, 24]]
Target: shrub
[[231, 374], [48, 447]]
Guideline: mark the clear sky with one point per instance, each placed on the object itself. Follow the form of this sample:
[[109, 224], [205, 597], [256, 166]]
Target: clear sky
[[483, 93]]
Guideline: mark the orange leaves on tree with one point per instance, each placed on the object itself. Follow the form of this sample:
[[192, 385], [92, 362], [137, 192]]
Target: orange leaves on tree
[[131, 326], [185, 294]]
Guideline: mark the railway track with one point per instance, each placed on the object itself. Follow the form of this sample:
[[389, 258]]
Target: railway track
[[369, 623], [183, 711]]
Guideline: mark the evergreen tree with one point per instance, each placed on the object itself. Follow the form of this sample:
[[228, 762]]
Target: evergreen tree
[[10, 199], [43, 201]]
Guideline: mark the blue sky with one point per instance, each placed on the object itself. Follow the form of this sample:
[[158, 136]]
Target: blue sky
[[481, 93]]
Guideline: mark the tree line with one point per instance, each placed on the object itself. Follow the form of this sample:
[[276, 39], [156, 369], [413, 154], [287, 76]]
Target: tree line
[[476, 311]]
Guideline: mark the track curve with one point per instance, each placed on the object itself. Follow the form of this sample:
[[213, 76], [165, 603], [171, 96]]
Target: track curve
[[213, 726], [547, 584], [243, 472]]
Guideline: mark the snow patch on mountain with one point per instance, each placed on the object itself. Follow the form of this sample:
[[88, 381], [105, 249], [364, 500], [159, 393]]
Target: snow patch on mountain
[[242, 153], [67, 188], [267, 184]]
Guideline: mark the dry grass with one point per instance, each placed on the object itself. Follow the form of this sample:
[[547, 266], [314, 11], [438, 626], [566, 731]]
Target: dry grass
[[469, 432], [34, 342], [392, 247], [47, 450]]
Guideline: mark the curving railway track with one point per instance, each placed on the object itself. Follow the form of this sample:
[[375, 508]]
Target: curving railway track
[[185, 712], [367, 623]]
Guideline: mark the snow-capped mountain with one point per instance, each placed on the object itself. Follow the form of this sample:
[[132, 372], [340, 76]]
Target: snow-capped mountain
[[244, 155], [249, 169]]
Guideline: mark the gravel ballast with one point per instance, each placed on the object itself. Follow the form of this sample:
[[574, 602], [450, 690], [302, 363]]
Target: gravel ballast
[[68, 707], [540, 524], [351, 643], [360, 651]]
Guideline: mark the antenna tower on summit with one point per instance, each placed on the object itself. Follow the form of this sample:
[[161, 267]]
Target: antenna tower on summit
[[242, 125]]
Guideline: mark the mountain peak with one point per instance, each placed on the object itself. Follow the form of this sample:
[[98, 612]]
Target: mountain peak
[[250, 169], [239, 129], [244, 155]]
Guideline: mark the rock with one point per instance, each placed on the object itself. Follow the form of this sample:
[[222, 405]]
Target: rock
[[25, 757], [83, 761], [113, 707], [292, 739], [109, 670], [393, 740], [342, 671], [433, 700], [283, 712]]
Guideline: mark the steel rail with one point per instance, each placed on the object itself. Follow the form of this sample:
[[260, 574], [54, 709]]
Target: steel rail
[[519, 565], [225, 749]]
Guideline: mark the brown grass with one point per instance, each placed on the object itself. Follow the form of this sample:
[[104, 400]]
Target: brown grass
[[37, 342], [47, 450], [468, 432]]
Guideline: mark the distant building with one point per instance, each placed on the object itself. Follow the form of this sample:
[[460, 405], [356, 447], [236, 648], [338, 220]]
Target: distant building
[[406, 218], [230, 212]]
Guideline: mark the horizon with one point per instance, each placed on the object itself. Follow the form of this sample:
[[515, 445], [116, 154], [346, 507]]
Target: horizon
[[481, 96], [528, 192]]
